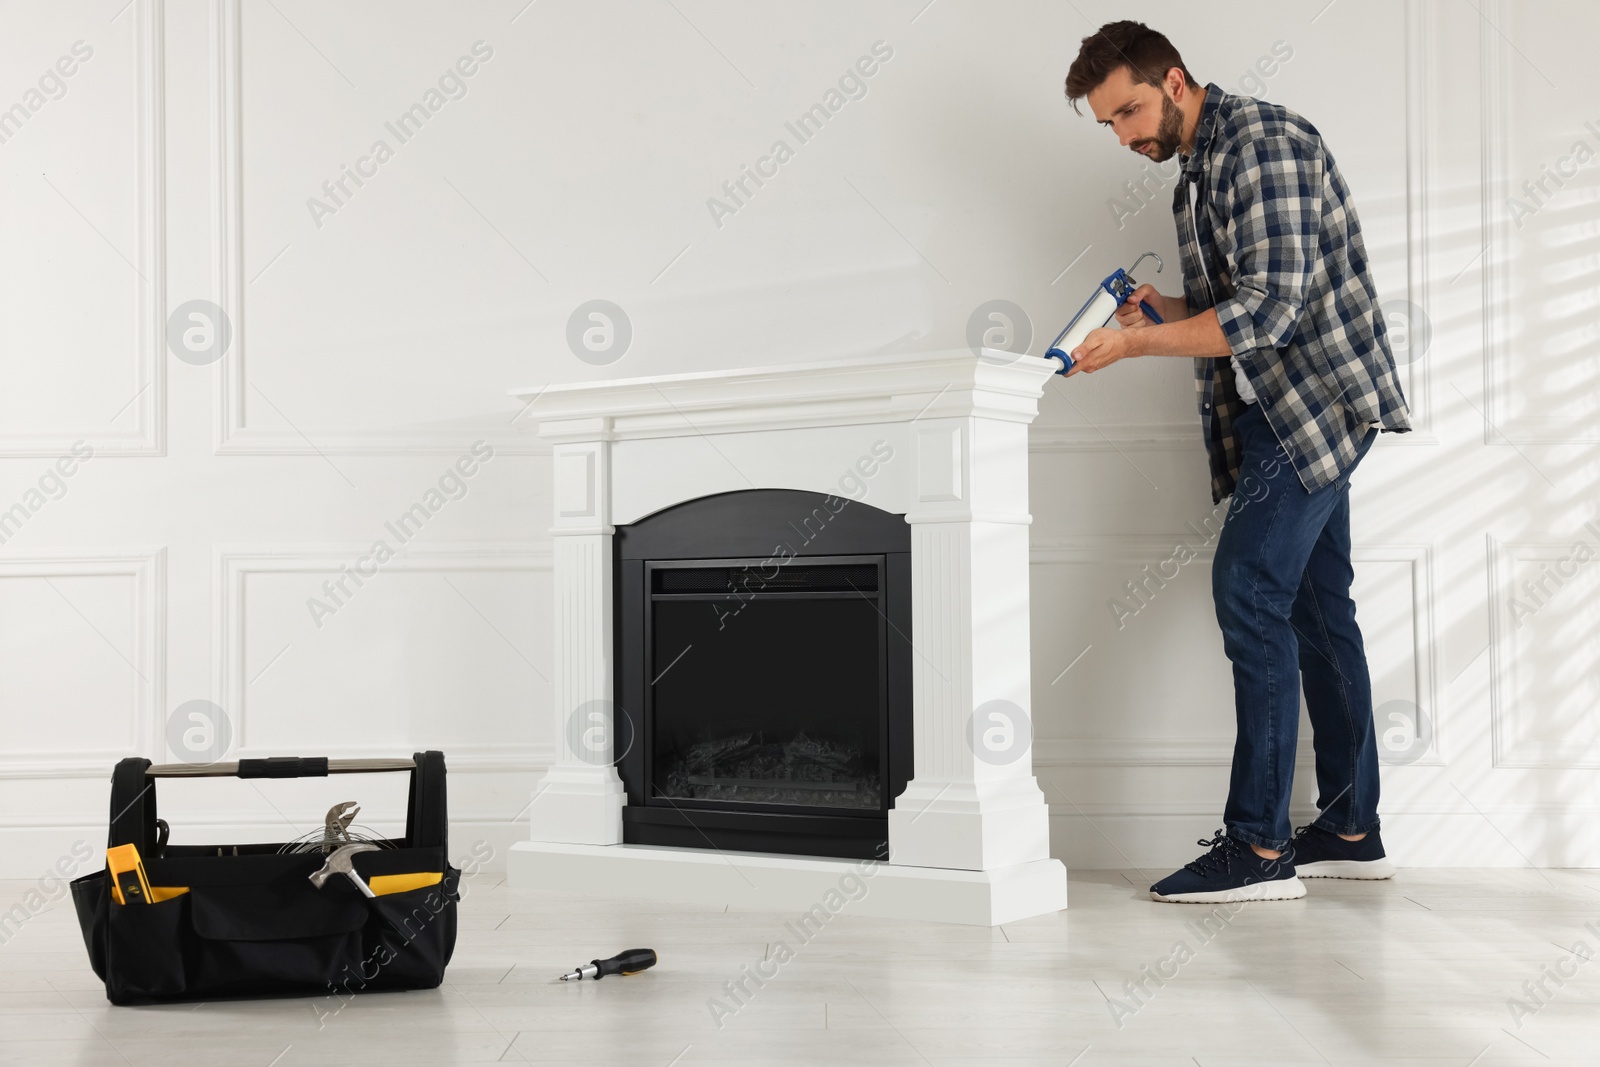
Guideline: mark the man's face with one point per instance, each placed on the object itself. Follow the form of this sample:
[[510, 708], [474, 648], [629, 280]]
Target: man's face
[[1143, 117]]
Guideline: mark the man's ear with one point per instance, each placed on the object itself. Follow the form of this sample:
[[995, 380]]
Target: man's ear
[[1176, 84]]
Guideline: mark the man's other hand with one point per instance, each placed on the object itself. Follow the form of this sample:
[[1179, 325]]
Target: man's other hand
[[1101, 348], [1131, 316]]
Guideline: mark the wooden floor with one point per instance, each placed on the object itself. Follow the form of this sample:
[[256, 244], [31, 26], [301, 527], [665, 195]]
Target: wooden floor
[[1418, 970]]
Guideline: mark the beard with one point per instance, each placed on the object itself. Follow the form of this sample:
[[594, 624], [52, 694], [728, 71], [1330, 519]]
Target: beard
[[1169, 134]]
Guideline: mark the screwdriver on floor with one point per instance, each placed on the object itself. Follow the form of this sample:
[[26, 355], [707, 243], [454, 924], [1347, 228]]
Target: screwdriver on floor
[[629, 961]]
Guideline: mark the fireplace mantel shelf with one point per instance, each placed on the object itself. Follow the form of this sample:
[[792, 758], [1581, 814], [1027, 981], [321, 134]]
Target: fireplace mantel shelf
[[877, 389]]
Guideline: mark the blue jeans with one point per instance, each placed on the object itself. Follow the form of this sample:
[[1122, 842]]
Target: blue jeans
[[1281, 581]]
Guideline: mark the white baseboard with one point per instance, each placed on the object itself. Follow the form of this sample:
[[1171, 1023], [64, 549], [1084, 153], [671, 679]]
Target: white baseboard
[[1100, 838], [1158, 843]]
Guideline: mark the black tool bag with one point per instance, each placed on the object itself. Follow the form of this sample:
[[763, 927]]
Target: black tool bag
[[252, 922]]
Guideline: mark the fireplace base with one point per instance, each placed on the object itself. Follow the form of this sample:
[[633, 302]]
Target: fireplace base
[[769, 882]]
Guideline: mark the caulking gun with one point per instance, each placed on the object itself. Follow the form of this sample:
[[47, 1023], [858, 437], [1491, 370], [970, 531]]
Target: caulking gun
[[1097, 311]]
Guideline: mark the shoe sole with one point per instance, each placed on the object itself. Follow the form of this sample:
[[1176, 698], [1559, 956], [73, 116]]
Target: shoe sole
[[1366, 870], [1277, 889]]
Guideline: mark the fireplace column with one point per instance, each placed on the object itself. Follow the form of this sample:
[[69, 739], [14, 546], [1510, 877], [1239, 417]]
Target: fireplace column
[[580, 798], [974, 803]]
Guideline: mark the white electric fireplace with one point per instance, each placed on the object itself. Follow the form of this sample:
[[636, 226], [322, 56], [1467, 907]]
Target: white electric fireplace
[[792, 640]]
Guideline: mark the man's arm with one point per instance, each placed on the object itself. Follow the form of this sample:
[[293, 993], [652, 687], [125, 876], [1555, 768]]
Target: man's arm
[[1197, 335]]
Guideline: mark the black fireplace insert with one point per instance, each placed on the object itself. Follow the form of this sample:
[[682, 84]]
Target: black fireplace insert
[[764, 673]]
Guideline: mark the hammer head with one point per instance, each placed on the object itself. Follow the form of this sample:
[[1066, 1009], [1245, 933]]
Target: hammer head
[[338, 862]]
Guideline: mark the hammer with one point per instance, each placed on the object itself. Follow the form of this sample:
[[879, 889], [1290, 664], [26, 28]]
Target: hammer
[[339, 863]]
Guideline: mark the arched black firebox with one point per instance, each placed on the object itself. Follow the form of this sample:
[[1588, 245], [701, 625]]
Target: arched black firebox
[[763, 651]]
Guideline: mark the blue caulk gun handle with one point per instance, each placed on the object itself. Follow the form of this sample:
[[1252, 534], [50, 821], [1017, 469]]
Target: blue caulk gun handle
[[1127, 285]]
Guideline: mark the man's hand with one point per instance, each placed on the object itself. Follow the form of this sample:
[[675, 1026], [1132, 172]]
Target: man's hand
[[1131, 316], [1101, 348]]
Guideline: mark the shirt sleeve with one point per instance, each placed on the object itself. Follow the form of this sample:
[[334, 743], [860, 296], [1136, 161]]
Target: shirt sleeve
[[1274, 213]]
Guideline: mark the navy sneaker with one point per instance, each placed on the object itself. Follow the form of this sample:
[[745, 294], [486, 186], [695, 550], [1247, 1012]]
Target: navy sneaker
[[1230, 871], [1320, 853]]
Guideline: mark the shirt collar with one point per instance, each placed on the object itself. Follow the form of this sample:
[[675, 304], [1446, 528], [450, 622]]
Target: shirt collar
[[1202, 131]]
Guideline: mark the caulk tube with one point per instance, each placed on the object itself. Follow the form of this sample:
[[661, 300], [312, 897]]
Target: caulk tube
[[1095, 314]]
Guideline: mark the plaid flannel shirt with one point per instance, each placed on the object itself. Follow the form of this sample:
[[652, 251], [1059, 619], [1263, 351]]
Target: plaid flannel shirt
[[1285, 267]]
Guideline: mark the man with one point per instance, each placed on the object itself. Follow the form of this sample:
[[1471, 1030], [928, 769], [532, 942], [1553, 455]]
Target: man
[[1295, 381]]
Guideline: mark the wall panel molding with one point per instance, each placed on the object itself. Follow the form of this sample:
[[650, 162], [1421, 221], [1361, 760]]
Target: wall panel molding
[[1131, 553], [1129, 437], [1507, 710], [1422, 34], [1501, 426], [148, 569], [233, 564], [147, 399], [232, 435], [1141, 752]]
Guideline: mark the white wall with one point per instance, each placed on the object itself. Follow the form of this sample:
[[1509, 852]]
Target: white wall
[[372, 340]]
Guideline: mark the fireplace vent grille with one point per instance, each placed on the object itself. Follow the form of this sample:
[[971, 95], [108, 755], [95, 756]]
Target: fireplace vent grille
[[760, 578]]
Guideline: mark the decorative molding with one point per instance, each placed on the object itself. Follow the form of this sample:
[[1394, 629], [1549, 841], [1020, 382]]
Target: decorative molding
[[870, 391], [149, 404], [581, 487], [1505, 700], [1423, 635], [234, 563], [1135, 552], [1128, 551], [584, 597], [577, 474], [1501, 426], [1492, 169], [1061, 809], [232, 435], [148, 569], [1049, 753], [1129, 437], [943, 609], [1422, 31], [941, 463]]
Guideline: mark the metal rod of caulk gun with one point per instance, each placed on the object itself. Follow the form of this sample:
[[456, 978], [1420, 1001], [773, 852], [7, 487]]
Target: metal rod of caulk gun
[[1133, 284], [1130, 285], [1141, 259]]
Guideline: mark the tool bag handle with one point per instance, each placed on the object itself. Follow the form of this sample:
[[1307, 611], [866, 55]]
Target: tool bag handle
[[133, 806], [427, 821], [133, 791], [279, 767]]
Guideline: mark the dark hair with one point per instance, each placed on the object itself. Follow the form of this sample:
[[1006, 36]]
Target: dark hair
[[1148, 55]]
